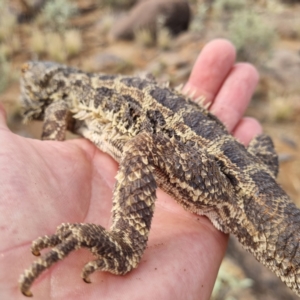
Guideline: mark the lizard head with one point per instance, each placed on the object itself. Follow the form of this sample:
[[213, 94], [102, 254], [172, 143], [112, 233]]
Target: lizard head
[[39, 87]]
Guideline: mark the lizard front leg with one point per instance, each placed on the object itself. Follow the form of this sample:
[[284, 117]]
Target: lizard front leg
[[56, 121], [120, 249]]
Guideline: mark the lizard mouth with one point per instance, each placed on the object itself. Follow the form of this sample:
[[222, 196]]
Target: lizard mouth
[[31, 109]]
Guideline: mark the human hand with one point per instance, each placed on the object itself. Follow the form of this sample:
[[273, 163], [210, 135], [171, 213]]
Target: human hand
[[46, 183]]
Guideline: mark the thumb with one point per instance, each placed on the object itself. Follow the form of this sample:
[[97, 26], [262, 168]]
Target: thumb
[[3, 124]]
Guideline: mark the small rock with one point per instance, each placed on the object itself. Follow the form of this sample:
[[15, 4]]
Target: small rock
[[176, 16], [286, 24], [283, 157], [289, 141]]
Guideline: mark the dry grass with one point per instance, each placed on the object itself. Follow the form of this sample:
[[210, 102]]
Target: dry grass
[[117, 3], [37, 42], [8, 21], [164, 38], [73, 42], [281, 109], [55, 47], [144, 37]]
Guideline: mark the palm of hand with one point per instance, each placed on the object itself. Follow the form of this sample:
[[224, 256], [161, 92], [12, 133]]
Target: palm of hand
[[46, 183]]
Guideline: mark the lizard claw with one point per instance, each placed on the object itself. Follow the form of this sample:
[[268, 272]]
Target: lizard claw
[[27, 293], [24, 287], [87, 279], [35, 252]]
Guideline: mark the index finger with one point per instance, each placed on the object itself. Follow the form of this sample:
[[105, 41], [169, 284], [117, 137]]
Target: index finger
[[211, 69]]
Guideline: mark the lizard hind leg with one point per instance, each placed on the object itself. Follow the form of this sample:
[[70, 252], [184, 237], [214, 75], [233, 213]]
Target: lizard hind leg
[[120, 249], [262, 147]]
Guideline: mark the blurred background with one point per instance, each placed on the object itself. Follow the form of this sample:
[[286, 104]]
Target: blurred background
[[164, 37]]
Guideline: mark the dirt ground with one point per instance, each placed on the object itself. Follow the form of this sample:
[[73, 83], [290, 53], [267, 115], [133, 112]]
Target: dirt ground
[[276, 103]]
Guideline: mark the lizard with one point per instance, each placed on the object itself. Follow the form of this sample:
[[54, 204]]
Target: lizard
[[160, 138]]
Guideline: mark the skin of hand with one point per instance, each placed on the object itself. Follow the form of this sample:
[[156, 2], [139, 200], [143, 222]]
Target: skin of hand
[[46, 183]]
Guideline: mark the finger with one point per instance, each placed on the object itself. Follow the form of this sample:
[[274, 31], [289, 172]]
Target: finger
[[211, 68], [2, 117], [235, 94], [247, 129]]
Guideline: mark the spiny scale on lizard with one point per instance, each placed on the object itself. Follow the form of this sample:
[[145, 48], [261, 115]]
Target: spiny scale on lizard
[[160, 138]]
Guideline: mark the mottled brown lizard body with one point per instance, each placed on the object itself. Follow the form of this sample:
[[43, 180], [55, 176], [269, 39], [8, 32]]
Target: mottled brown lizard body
[[160, 138]]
